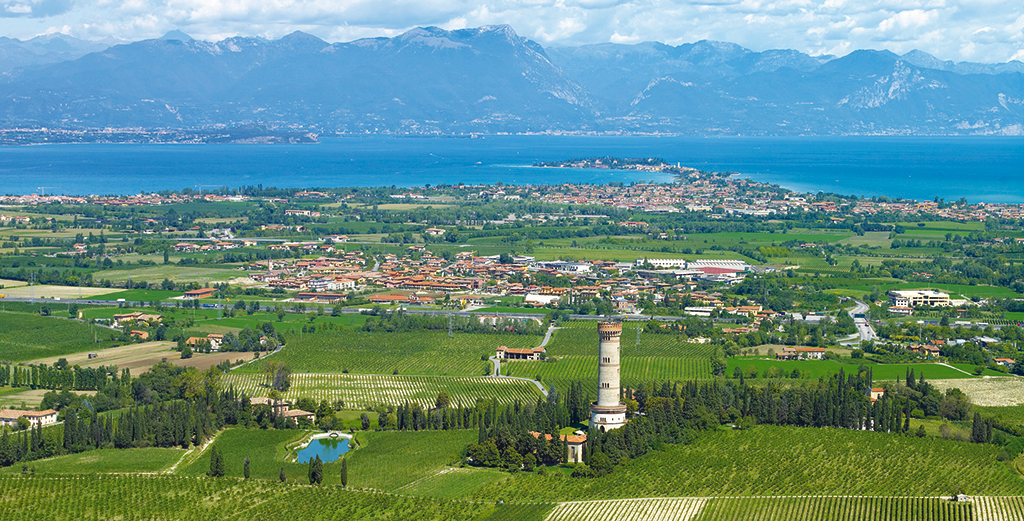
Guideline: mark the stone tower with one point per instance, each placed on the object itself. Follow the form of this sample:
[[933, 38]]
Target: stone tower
[[609, 412]]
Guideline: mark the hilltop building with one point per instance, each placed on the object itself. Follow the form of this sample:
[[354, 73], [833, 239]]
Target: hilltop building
[[609, 412]]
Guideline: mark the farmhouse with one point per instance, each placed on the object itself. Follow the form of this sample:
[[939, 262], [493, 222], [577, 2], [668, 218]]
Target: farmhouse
[[801, 353], [10, 417], [877, 393], [128, 318], [278, 406], [298, 414], [199, 293], [510, 353]]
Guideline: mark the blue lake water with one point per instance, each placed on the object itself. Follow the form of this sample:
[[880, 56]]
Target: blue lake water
[[987, 169], [329, 449]]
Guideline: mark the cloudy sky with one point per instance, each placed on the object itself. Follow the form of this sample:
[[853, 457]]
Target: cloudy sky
[[960, 30]]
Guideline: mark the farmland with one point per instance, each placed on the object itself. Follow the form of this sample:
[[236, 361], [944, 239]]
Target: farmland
[[814, 369], [988, 392], [358, 391], [668, 509], [138, 498], [661, 357], [839, 509], [266, 450], [28, 337], [107, 461], [140, 357], [411, 353], [789, 461]]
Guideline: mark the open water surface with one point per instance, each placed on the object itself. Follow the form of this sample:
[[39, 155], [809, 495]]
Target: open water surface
[[981, 169]]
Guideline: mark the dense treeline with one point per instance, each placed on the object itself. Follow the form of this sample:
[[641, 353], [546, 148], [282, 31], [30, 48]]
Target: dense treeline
[[399, 321], [166, 407], [678, 413]]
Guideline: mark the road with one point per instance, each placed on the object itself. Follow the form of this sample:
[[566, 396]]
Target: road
[[864, 329]]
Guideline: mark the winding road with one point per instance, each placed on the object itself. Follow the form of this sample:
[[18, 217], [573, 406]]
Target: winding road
[[497, 363]]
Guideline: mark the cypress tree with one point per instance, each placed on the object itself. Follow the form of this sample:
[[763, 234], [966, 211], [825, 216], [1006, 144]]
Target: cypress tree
[[245, 468], [281, 476], [344, 472]]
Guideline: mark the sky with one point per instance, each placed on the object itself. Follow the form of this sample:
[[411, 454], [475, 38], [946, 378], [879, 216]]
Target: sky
[[988, 31]]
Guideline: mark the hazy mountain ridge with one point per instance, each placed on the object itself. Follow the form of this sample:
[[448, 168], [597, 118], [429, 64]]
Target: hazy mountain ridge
[[489, 79]]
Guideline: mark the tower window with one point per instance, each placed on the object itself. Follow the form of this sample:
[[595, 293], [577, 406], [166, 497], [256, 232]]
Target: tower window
[[606, 385], [606, 360]]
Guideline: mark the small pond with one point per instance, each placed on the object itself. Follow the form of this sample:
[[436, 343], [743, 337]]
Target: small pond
[[328, 448]]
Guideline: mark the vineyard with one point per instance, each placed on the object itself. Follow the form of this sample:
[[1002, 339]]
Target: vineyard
[[151, 459], [837, 509], [266, 450], [989, 392], [28, 337], [411, 353], [789, 461], [138, 498], [390, 461], [658, 357], [668, 509], [359, 391]]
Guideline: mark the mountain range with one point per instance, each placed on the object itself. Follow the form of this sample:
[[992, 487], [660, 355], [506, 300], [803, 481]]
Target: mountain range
[[489, 79]]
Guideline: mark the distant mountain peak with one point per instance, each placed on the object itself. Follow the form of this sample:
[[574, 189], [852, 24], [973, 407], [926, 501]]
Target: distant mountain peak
[[176, 35]]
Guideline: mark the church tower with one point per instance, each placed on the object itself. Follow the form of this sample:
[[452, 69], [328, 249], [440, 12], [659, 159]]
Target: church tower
[[609, 412]]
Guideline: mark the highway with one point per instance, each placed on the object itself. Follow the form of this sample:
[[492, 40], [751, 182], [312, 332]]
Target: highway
[[864, 328]]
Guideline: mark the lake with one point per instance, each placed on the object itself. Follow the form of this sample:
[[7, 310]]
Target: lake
[[981, 169]]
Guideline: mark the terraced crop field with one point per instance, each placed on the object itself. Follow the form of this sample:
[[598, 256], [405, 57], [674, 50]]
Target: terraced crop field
[[28, 337], [996, 391], [667, 509], [358, 391], [770, 461], [144, 498], [837, 509], [655, 357], [415, 353]]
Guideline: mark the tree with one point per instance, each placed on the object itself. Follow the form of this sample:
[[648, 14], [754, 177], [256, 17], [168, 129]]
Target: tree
[[245, 468], [443, 401], [216, 463], [365, 420], [316, 471], [186, 352], [281, 476], [344, 472], [981, 431]]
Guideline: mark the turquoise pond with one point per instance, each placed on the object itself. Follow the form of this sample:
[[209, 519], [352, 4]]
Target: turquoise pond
[[329, 449]]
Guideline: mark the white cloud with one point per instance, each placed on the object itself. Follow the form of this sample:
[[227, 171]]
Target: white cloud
[[983, 30]]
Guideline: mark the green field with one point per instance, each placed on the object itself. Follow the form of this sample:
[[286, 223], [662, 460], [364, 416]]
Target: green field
[[28, 337], [661, 357], [393, 461], [106, 461], [372, 390], [786, 461], [142, 295], [814, 369], [266, 450], [411, 353], [141, 498], [955, 290], [839, 509]]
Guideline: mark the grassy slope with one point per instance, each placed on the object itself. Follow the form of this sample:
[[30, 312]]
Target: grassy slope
[[786, 461], [816, 368], [28, 337], [103, 461], [412, 353]]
